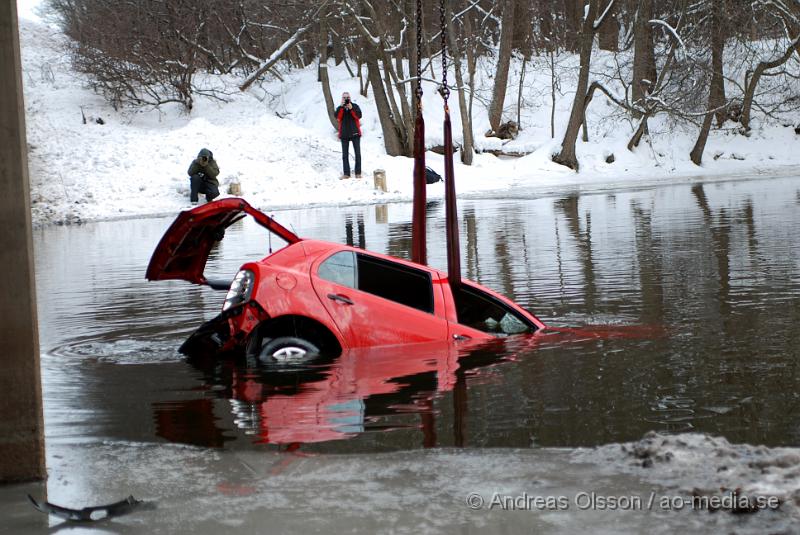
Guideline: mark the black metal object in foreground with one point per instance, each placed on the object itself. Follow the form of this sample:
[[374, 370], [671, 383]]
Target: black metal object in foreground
[[89, 514], [419, 253]]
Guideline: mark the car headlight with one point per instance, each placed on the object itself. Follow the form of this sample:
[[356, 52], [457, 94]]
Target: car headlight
[[241, 289]]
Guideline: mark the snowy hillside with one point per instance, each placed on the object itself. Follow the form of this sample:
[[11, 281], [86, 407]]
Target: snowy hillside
[[277, 141]]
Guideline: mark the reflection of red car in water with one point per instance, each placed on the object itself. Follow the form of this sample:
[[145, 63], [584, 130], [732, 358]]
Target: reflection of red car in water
[[340, 397], [314, 297], [333, 399], [333, 405]]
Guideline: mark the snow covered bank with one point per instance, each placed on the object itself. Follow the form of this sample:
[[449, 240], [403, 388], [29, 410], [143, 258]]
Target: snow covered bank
[[701, 468], [426, 491], [276, 140]]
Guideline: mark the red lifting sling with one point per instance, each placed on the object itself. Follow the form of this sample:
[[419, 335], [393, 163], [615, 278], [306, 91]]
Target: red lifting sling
[[418, 232]]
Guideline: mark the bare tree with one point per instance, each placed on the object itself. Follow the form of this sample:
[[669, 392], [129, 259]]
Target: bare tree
[[386, 77], [644, 65], [688, 61], [503, 63], [608, 35], [284, 48], [717, 47], [147, 52], [788, 12], [455, 38], [719, 34], [567, 155], [324, 79]]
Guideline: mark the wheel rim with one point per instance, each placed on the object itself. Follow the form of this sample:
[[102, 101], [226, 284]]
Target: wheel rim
[[289, 353]]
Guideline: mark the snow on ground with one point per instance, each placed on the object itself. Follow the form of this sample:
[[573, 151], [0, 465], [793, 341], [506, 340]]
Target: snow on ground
[[277, 141], [537, 490], [700, 465]]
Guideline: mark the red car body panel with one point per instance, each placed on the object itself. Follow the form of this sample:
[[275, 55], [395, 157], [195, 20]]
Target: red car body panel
[[183, 250], [287, 284], [358, 322]]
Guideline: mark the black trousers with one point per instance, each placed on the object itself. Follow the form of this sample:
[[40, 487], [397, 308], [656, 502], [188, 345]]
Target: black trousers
[[201, 184], [346, 156]]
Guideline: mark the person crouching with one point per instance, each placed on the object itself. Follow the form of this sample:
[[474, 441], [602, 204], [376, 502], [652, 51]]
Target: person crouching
[[203, 174]]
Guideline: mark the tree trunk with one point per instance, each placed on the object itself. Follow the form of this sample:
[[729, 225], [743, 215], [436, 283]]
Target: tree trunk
[[553, 88], [643, 56], [406, 106], [400, 114], [391, 137], [697, 152], [718, 101], [472, 62], [523, 28], [545, 18], [363, 83], [392, 74], [640, 130], [718, 43], [608, 33], [467, 149], [519, 90], [567, 154], [338, 51], [650, 108], [427, 43], [503, 62], [397, 114], [573, 11], [323, 71], [411, 54]]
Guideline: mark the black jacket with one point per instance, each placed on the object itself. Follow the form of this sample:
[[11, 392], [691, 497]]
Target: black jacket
[[349, 121]]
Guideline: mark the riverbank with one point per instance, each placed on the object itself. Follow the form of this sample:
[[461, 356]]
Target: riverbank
[[89, 162], [661, 484]]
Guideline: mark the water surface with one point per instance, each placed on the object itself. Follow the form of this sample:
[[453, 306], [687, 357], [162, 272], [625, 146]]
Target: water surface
[[715, 265]]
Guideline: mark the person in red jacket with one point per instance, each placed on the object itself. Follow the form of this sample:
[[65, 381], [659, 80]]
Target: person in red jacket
[[349, 116]]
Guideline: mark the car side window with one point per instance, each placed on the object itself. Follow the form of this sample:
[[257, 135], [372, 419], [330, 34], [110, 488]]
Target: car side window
[[481, 311], [395, 282], [339, 268]]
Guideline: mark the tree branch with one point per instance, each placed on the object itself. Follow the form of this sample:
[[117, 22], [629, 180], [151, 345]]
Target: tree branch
[[281, 51]]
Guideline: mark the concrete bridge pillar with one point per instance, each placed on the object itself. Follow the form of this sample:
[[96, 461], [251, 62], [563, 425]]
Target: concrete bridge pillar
[[21, 422]]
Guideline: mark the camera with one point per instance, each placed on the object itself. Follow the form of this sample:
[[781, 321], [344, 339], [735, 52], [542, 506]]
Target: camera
[[347, 101], [204, 158]]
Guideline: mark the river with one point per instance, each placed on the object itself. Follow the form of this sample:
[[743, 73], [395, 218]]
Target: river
[[715, 266]]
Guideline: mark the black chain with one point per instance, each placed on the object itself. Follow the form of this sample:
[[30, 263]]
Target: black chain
[[419, 52], [443, 89]]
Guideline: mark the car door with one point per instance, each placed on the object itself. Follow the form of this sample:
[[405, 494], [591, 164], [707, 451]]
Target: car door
[[376, 302], [183, 250], [481, 313]]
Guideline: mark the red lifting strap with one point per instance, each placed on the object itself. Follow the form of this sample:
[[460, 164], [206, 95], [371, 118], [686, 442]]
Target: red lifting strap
[[451, 212], [418, 245]]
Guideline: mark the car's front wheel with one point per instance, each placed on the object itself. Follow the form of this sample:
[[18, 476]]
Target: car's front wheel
[[289, 349]]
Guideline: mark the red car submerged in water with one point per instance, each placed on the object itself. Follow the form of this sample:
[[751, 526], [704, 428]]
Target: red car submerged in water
[[314, 297]]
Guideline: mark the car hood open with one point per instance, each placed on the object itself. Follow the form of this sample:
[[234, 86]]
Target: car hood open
[[183, 250]]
